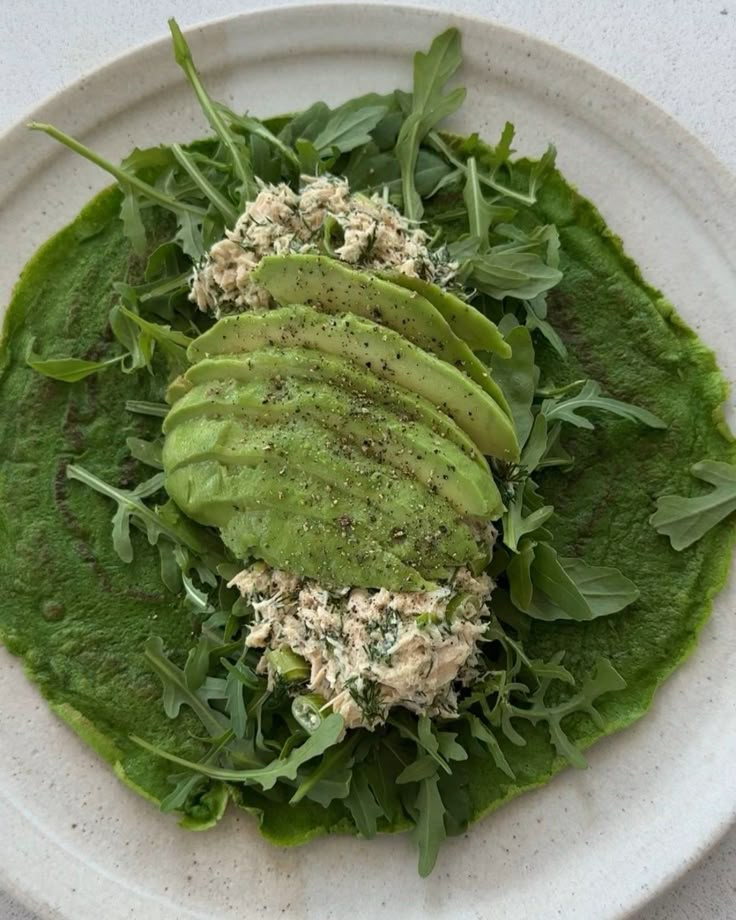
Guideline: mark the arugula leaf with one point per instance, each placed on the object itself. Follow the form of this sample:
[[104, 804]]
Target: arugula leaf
[[306, 124], [508, 273], [148, 452], [256, 128], [234, 145], [430, 824], [126, 178], [549, 588], [567, 408], [541, 169], [179, 692], [184, 786], [517, 378], [560, 596], [267, 166], [130, 214], [480, 731], [310, 163], [420, 769], [686, 520], [164, 262], [604, 588], [381, 773], [502, 152], [423, 736], [543, 448], [479, 216], [542, 239], [517, 525], [266, 776], [68, 370], [369, 169], [605, 679], [235, 704], [335, 786], [536, 319], [481, 213], [362, 805], [186, 783], [139, 345], [189, 216], [189, 234], [173, 344], [449, 746], [536, 444], [125, 510], [517, 688], [189, 164], [429, 106], [339, 759], [458, 807], [130, 506], [519, 570], [349, 126]]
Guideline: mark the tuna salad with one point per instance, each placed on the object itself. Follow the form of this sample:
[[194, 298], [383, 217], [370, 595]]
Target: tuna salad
[[368, 232]]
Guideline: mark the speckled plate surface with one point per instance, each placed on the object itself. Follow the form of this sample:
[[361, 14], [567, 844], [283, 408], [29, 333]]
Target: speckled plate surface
[[74, 842]]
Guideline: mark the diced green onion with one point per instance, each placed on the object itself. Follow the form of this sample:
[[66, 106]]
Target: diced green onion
[[288, 665], [457, 603], [308, 711]]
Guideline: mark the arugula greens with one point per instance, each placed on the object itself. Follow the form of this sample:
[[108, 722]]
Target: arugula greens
[[478, 207], [429, 106], [686, 520], [68, 370], [567, 408], [549, 588]]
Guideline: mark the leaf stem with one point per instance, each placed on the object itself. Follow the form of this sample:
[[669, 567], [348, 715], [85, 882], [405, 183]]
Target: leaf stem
[[183, 57], [123, 177], [436, 143], [201, 181]]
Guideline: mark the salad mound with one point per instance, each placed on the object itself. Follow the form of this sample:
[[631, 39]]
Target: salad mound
[[391, 513]]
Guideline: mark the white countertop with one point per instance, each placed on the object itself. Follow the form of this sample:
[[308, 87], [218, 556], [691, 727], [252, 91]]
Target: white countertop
[[680, 53]]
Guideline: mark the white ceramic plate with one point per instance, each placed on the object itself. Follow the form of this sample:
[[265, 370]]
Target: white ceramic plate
[[74, 842]]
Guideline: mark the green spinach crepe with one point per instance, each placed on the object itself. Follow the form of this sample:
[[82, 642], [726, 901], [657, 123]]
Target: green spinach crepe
[[101, 624]]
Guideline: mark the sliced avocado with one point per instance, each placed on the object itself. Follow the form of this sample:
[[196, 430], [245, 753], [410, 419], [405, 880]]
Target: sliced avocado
[[177, 388], [308, 448], [332, 287], [467, 322], [319, 550], [377, 348], [306, 364], [210, 492], [334, 461], [408, 446]]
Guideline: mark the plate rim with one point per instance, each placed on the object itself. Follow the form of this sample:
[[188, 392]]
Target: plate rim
[[726, 174]]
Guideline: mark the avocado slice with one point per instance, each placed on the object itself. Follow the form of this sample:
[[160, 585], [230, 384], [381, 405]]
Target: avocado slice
[[323, 551], [465, 320], [306, 364], [335, 462], [331, 287], [379, 349], [407, 446], [177, 388], [212, 492]]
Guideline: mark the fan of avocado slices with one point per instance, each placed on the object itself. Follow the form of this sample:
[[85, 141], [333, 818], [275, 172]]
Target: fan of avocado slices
[[401, 455]]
